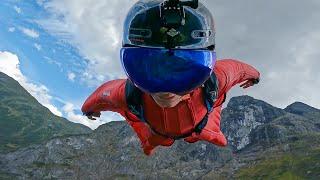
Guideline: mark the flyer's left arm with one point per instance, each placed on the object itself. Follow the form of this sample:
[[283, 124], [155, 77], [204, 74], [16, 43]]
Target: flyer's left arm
[[231, 72]]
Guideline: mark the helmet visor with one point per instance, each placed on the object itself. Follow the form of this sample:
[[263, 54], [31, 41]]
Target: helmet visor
[[167, 70]]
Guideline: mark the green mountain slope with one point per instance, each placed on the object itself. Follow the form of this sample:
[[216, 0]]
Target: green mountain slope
[[299, 159], [24, 121]]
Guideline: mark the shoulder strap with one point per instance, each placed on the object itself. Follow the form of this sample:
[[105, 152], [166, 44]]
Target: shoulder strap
[[134, 99], [210, 89], [210, 93]]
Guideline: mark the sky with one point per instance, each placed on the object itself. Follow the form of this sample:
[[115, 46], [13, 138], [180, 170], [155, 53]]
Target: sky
[[61, 51]]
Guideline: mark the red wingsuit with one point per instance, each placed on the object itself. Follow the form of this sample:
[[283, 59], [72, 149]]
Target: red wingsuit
[[177, 120]]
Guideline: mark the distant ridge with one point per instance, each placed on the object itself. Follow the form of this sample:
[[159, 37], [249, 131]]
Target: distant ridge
[[24, 121]]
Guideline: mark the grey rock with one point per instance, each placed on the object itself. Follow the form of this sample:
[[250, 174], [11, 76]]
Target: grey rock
[[242, 115], [300, 108], [113, 151]]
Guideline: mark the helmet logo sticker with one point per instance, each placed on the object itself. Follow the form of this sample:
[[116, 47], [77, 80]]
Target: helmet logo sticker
[[106, 93], [172, 32]]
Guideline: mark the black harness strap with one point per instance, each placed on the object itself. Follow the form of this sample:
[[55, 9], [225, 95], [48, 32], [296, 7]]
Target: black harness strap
[[134, 99], [134, 102]]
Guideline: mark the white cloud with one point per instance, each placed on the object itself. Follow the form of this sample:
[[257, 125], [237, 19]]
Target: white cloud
[[71, 115], [40, 2], [71, 76], [71, 112], [10, 65], [95, 30], [11, 29], [53, 109], [17, 9], [37, 46], [50, 61], [30, 32], [55, 63], [282, 45], [246, 30]]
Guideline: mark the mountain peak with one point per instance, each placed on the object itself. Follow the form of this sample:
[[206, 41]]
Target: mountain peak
[[241, 100], [300, 108]]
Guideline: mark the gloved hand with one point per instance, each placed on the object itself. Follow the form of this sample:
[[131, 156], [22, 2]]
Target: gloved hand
[[249, 82], [92, 115]]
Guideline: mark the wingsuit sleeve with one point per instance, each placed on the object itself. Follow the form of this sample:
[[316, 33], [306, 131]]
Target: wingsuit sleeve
[[111, 97], [231, 72], [107, 97]]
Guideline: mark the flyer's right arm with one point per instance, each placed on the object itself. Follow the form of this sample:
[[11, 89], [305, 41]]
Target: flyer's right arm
[[111, 97], [107, 97]]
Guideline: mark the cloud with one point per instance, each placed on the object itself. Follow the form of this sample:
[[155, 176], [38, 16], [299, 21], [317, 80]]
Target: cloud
[[10, 65], [278, 38], [73, 113], [94, 29], [37, 46], [50, 61], [17, 9], [71, 76], [40, 2], [11, 29], [70, 112], [30, 32], [55, 63]]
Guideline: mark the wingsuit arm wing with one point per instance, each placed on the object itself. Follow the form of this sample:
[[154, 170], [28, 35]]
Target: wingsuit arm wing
[[211, 132], [231, 72], [111, 97], [142, 129], [143, 132], [107, 97]]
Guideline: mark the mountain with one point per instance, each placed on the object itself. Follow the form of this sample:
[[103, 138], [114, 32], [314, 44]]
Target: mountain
[[24, 121], [300, 108], [111, 151], [279, 144], [242, 115], [276, 144]]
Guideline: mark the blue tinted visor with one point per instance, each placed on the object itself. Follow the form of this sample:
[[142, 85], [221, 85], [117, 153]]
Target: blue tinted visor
[[162, 70]]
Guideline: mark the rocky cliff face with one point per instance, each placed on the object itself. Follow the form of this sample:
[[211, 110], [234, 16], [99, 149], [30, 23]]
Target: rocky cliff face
[[243, 115], [262, 138], [112, 151]]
